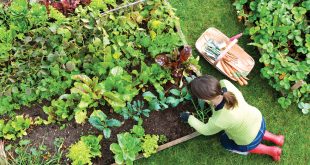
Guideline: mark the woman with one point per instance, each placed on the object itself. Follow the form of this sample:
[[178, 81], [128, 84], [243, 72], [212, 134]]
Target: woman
[[243, 125]]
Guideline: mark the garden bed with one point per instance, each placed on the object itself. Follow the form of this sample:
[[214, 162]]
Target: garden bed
[[165, 122], [98, 76]]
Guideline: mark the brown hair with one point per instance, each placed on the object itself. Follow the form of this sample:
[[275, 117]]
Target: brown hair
[[207, 87]]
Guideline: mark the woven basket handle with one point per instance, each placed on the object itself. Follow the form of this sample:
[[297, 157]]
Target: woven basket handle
[[223, 53]]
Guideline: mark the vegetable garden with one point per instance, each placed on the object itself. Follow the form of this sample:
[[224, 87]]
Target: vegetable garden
[[93, 72], [109, 79]]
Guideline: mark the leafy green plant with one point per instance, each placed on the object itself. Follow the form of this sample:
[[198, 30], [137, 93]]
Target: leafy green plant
[[201, 110], [86, 148], [93, 142], [135, 110], [100, 121], [7, 105], [149, 145], [89, 90], [118, 88], [60, 109], [15, 128], [304, 107], [162, 139], [154, 75], [178, 96], [163, 43], [279, 28], [126, 149], [156, 103], [131, 143], [27, 154], [79, 153], [138, 130]]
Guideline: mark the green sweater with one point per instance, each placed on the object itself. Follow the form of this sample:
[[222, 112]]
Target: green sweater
[[241, 124]]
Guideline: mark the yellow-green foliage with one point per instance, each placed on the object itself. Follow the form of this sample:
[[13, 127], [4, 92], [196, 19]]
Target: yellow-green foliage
[[150, 145]]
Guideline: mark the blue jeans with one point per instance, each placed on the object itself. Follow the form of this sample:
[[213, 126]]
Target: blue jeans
[[231, 145]]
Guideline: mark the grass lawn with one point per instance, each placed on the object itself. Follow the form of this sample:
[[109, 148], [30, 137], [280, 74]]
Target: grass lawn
[[196, 16]]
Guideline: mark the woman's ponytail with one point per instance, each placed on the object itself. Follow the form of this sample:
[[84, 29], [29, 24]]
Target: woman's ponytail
[[230, 99]]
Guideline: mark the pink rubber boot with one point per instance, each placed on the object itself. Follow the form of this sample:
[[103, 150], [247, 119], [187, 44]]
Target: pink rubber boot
[[276, 139], [274, 152]]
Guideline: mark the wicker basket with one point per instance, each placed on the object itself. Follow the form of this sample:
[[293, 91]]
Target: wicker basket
[[244, 62]]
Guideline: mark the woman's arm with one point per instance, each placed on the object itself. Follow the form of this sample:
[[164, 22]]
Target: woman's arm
[[209, 128]]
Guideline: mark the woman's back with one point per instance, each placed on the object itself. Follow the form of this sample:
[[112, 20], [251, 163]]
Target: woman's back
[[242, 122]]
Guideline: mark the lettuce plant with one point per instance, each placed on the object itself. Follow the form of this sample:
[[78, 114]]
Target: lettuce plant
[[15, 128], [85, 149], [149, 145], [126, 149]]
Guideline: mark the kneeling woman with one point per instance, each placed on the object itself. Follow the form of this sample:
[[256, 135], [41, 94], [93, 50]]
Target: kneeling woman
[[244, 126]]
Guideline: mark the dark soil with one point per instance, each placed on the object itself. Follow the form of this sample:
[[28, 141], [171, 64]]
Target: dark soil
[[164, 122]]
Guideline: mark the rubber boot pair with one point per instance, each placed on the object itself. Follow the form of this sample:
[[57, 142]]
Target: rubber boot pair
[[273, 151]]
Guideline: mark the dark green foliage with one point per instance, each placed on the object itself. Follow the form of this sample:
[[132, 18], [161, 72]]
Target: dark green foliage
[[156, 103], [178, 96], [100, 121], [135, 110], [281, 32]]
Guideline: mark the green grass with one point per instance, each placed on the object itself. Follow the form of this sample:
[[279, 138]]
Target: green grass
[[196, 16]]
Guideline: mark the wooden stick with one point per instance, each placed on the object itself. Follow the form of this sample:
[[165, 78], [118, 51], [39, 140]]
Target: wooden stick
[[124, 6]]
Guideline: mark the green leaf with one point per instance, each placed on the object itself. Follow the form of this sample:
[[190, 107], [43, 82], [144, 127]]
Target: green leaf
[[154, 105], [107, 132], [96, 122], [115, 148], [148, 96], [79, 153], [24, 142], [138, 130], [70, 66], [80, 116], [173, 101], [175, 92], [93, 142], [98, 5], [117, 71], [114, 100], [99, 114], [113, 123], [149, 145]]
